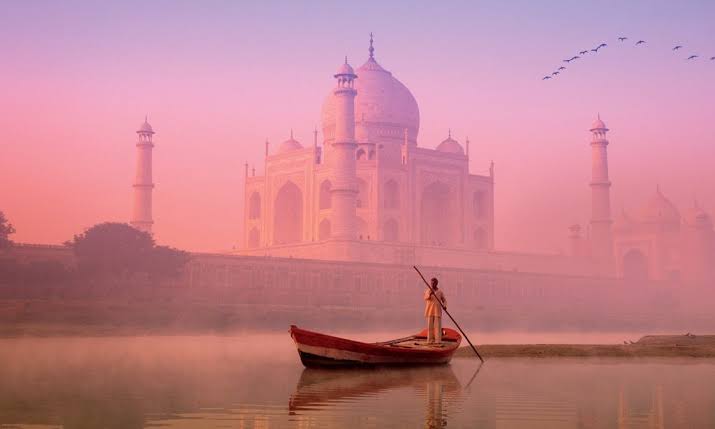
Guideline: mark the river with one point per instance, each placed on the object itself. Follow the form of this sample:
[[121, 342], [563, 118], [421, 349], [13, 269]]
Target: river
[[255, 380]]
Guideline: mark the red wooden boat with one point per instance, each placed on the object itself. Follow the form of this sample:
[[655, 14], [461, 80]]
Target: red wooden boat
[[321, 350]]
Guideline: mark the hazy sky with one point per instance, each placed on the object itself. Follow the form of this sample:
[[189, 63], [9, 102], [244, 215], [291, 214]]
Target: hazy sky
[[218, 78]]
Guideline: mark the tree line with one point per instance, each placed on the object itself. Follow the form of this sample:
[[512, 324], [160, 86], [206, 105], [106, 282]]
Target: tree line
[[106, 251]]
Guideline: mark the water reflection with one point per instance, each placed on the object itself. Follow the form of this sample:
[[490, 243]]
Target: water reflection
[[229, 382], [437, 387]]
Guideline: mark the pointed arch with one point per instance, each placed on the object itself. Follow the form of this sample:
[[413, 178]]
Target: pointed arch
[[288, 217], [363, 232], [436, 226], [480, 239], [363, 197], [254, 206], [392, 195], [324, 199], [254, 238], [391, 230], [635, 266], [360, 155], [324, 230], [478, 204]]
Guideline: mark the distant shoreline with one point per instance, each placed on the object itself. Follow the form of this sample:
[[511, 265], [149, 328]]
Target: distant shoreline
[[695, 346]]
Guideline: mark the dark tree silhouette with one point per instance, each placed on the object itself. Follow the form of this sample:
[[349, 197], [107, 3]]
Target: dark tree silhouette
[[6, 229], [167, 262], [119, 250]]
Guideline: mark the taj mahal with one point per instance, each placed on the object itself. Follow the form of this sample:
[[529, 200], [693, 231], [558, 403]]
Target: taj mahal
[[369, 192]]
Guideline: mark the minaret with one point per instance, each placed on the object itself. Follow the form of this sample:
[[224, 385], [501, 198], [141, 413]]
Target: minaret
[[601, 238], [342, 159], [143, 184]]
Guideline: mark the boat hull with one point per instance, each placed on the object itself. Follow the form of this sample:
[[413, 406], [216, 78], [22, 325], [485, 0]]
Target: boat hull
[[326, 351]]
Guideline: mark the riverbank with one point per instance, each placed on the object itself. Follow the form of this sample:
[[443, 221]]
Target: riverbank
[[697, 346]]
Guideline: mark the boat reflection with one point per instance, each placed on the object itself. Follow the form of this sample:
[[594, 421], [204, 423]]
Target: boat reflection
[[437, 388]]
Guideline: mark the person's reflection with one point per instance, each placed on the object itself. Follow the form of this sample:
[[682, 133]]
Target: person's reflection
[[435, 416], [440, 393]]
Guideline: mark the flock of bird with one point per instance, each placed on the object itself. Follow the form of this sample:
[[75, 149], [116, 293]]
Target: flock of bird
[[595, 50]]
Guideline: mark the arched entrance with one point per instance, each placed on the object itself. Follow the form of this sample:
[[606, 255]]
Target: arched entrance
[[363, 233], [324, 199], [392, 195], [288, 218], [363, 199], [478, 204], [324, 230], [254, 238], [436, 215], [390, 230], [635, 266], [254, 206], [480, 239]]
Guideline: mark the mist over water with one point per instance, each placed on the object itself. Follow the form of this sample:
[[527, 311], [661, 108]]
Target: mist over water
[[256, 380]]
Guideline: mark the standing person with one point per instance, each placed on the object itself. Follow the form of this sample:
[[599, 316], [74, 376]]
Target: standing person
[[433, 312]]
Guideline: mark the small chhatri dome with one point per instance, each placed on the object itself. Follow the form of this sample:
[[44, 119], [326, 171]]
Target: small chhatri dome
[[598, 124], [290, 144], [696, 216], [659, 209], [145, 127], [345, 69], [450, 145]]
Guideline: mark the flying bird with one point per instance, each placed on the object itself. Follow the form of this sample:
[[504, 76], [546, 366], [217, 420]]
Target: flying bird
[[594, 50], [546, 77], [569, 60], [677, 47], [692, 57], [712, 58], [564, 68], [575, 58], [640, 42], [622, 38], [602, 45], [583, 53], [554, 73]]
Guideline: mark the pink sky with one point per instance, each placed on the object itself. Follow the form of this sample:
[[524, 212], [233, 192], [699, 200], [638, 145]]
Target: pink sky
[[218, 78]]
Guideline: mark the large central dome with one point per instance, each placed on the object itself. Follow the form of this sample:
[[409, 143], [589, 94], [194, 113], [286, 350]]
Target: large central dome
[[384, 107]]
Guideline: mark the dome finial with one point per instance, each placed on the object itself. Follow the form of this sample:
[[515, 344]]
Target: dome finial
[[372, 49], [346, 59], [449, 133], [291, 133]]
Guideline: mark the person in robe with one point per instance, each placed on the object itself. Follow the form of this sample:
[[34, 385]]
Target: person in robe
[[433, 312]]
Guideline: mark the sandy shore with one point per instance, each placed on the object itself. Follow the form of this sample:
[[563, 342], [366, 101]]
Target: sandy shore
[[701, 346]]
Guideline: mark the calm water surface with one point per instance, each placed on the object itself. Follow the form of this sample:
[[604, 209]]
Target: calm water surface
[[256, 381]]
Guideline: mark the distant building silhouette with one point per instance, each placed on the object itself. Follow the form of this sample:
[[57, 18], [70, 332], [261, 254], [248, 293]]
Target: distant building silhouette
[[656, 244]]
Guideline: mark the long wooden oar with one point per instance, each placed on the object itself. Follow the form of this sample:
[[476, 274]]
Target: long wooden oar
[[450, 316]]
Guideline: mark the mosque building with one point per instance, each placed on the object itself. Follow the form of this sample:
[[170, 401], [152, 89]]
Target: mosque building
[[657, 243]]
